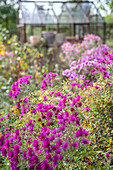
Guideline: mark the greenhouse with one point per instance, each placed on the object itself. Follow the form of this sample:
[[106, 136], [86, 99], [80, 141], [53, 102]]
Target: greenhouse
[[78, 18]]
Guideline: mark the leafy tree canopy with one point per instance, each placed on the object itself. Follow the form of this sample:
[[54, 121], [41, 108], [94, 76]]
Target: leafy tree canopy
[[8, 15]]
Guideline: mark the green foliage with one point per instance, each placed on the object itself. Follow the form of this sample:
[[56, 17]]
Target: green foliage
[[8, 15]]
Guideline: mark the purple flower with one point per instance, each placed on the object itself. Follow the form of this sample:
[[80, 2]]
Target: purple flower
[[52, 137], [45, 98], [58, 142], [30, 121], [24, 155], [46, 144], [107, 155], [75, 144], [33, 111], [24, 128], [94, 73], [58, 151], [10, 155], [87, 108], [8, 115], [89, 163], [61, 128], [80, 132], [60, 157], [7, 144], [17, 132], [1, 119], [85, 141], [65, 145], [48, 156], [49, 115], [82, 76], [97, 87], [30, 152], [45, 165], [5, 129], [16, 149], [36, 144], [3, 152], [44, 75], [109, 84], [55, 159], [53, 148], [93, 70]]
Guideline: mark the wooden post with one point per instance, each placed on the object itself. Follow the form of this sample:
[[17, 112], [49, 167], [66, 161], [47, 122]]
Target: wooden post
[[58, 30], [83, 30], [104, 32], [70, 30], [24, 33], [74, 29], [43, 27], [89, 28], [96, 24], [31, 30]]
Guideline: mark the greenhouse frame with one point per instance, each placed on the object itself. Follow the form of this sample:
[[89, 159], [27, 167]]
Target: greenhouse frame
[[80, 17]]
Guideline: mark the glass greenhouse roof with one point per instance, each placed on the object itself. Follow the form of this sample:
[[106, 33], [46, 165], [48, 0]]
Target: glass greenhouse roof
[[48, 12]]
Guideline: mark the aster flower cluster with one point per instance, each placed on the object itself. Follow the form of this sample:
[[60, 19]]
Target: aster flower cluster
[[16, 86], [48, 80], [90, 67], [23, 106], [90, 41], [74, 51], [59, 139]]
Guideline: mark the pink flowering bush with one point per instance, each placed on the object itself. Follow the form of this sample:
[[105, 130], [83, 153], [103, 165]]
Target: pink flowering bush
[[89, 68], [65, 124], [59, 138], [74, 51], [47, 132]]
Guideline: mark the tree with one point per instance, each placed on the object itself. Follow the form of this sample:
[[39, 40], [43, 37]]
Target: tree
[[8, 15]]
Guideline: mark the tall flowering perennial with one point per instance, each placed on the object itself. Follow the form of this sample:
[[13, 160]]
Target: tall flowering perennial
[[74, 51], [90, 41], [57, 136], [16, 86], [90, 67], [49, 80]]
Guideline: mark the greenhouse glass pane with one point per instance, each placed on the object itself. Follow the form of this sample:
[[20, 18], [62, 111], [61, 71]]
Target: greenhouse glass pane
[[57, 7], [50, 17], [77, 12], [78, 15], [41, 13], [46, 13], [21, 19], [86, 7], [65, 16], [27, 11]]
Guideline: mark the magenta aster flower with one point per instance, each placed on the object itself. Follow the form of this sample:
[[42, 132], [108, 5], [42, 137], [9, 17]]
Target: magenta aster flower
[[46, 143], [107, 155], [3, 152], [85, 141], [58, 142], [49, 115], [45, 165], [75, 144], [60, 157], [1, 119], [65, 145]]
